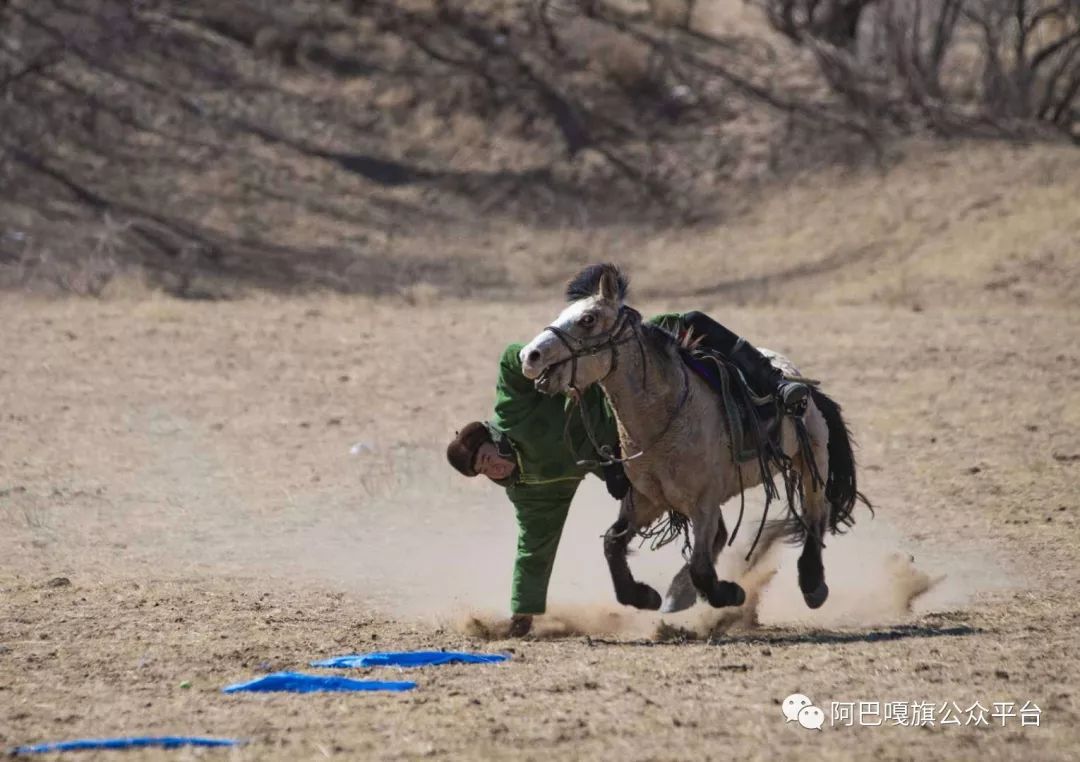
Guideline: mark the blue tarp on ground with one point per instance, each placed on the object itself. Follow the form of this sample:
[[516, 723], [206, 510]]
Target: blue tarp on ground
[[295, 682], [409, 659], [136, 742]]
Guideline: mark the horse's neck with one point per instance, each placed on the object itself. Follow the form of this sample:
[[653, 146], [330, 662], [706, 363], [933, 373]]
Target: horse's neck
[[644, 401]]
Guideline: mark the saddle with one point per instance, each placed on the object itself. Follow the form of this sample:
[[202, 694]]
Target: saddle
[[752, 422], [753, 428]]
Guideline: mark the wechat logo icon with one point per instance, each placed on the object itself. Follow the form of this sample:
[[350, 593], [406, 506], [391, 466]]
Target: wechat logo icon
[[799, 708]]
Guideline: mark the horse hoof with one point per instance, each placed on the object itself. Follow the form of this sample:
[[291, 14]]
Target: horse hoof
[[728, 594], [647, 598], [817, 597], [681, 595], [678, 601]]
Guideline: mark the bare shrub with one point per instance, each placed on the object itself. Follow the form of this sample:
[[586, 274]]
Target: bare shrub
[[292, 144], [990, 66], [360, 146], [833, 21]]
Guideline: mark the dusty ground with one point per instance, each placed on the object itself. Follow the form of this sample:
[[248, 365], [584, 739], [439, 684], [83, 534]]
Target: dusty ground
[[187, 467]]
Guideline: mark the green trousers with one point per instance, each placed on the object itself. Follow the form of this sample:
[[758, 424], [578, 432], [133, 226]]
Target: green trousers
[[541, 512]]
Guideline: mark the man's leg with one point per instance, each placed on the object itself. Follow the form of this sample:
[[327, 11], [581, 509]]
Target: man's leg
[[764, 378], [541, 514]]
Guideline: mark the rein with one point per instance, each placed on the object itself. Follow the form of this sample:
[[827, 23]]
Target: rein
[[628, 319]]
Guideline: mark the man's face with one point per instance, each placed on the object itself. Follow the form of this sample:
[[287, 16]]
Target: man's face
[[491, 464]]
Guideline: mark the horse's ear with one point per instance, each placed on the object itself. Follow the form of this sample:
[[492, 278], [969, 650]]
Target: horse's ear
[[609, 286]]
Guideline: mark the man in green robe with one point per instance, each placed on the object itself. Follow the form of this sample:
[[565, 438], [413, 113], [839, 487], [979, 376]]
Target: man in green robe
[[533, 444]]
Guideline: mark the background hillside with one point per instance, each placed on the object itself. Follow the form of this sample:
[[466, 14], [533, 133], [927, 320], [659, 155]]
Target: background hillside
[[460, 148]]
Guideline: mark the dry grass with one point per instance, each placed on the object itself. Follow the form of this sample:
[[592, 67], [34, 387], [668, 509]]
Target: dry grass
[[193, 468], [936, 227], [194, 462]]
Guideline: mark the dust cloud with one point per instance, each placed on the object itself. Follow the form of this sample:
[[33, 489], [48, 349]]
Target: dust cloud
[[422, 543], [877, 576]]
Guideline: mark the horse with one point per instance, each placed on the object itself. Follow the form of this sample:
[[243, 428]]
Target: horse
[[676, 448]]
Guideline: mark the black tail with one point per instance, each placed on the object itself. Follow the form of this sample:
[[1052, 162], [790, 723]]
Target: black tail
[[841, 490]]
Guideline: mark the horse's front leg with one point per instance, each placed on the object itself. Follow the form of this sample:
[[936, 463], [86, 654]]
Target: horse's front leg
[[708, 529], [681, 593], [628, 591]]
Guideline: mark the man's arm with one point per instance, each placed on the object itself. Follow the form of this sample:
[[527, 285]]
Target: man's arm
[[669, 321], [515, 395]]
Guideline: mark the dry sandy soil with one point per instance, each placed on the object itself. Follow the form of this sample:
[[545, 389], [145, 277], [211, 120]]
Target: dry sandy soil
[[181, 506]]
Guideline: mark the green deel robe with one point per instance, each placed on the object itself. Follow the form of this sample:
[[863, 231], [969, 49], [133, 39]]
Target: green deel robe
[[529, 426]]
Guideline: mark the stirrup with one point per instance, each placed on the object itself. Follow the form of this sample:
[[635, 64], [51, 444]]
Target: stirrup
[[794, 397]]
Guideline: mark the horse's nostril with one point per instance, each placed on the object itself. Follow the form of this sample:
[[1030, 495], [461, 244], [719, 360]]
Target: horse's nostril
[[534, 356]]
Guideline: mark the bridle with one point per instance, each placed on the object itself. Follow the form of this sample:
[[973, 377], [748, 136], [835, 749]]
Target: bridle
[[628, 319]]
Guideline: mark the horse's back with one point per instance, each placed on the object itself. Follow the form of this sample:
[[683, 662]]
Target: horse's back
[[781, 361]]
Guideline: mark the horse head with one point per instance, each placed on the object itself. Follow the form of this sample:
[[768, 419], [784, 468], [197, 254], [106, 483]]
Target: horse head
[[581, 347]]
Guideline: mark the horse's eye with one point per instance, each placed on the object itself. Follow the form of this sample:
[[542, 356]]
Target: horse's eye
[[587, 321]]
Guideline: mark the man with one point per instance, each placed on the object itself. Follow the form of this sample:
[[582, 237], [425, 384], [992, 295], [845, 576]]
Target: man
[[534, 442]]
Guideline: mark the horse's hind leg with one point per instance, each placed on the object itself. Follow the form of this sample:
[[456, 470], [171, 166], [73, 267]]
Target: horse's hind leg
[[708, 528], [628, 591], [812, 573], [815, 515]]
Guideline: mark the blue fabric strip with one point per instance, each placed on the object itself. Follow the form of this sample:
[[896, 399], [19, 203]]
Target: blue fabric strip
[[409, 659], [295, 682], [137, 742]]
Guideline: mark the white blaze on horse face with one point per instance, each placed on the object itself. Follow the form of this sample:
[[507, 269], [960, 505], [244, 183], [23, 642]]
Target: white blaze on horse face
[[546, 349]]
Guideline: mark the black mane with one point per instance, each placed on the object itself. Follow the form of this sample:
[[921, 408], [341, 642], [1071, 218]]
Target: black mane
[[587, 282]]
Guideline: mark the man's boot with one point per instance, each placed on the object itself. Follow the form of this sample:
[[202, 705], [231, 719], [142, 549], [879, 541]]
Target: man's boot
[[520, 625], [766, 379]]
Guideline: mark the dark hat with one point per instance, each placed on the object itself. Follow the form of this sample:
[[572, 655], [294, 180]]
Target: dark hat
[[461, 452]]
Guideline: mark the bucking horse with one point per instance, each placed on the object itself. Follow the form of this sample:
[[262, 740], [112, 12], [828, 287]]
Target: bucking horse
[[677, 444]]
